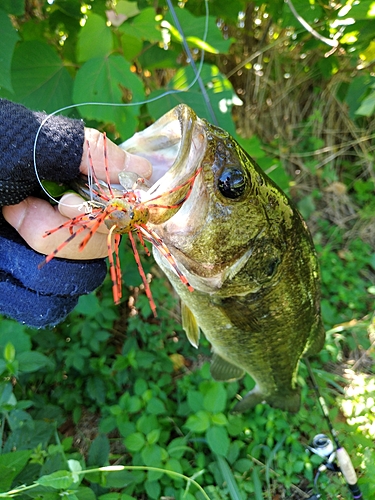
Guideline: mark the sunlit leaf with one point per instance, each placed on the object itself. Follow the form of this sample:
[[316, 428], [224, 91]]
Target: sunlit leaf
[[368, 106], [129, 9], [194, 30], [143, 26], [219, 90]]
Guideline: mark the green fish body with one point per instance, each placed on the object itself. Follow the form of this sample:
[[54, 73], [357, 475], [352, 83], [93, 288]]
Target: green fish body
[[247, 252]]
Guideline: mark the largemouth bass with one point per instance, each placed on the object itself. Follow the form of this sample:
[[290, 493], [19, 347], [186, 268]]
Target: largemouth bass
[[244, 248]]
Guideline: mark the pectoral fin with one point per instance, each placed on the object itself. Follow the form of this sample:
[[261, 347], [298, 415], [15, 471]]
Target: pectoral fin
[[190, 325], [289, 401], [222, 370]]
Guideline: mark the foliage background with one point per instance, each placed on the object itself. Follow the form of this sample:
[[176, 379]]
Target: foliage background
[[112, 384]]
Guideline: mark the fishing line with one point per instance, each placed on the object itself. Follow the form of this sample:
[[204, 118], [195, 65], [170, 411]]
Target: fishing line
[[325, 450], [191, 60], [196, 79]]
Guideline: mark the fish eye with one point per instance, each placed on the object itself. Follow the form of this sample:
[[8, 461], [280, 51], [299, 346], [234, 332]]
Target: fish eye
[[231, 182]]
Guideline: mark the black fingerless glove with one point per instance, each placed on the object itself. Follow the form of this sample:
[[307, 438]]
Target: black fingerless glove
[[38, 297]]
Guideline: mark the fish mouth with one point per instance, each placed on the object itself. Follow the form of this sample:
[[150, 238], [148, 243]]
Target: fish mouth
[[174, 145]]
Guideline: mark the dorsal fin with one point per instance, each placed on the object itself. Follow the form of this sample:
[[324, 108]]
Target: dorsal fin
[[190, 325], [222, 370]]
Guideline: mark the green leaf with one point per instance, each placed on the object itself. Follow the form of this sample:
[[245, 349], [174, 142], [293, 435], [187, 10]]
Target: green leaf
[[40, 79], [15, 7], [228, 477], [88, 305], [32, 361], [143, 26], [129, 9], [6, 395], [218, 440], [257, 484], [195, 400], [153, 489], [8, 41], [219, 89], [156, 407], [11, 464], [95, 39], [135, 441], [154, 57], [194, 30], [215, 399], [198, 422], [14, 333], [96, 389], [368, 106], [174, 465], [151, 455], [99, 451], [103, 80], [153, 436], [59, 480], [131, 46], [219, 419], [9, 352], [84, 493]]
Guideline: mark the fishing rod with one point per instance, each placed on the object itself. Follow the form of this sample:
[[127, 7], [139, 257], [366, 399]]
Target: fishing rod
[[323, 446]]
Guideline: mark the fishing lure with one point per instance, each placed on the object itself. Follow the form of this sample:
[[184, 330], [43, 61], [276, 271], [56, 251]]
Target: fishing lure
[[123, 212]]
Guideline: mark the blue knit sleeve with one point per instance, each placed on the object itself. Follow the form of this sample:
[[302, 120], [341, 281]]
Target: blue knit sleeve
[[38, 297]]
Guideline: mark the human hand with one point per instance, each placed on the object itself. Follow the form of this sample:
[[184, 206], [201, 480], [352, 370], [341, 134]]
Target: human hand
[[33, 216]]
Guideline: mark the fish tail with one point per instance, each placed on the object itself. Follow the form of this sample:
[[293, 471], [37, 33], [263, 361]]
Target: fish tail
[[290, 402]]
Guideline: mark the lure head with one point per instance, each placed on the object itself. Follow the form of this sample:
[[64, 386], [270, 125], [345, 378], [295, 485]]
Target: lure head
[[125, 215]]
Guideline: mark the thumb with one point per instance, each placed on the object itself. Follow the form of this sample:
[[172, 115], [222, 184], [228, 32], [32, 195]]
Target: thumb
[[104, 151]]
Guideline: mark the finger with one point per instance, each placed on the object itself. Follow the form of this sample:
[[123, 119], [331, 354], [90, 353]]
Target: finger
[[71, 205], [33, 217], [118, 159]]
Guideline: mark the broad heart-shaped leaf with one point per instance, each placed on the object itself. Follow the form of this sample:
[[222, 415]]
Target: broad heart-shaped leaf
[[95, 39], [8, 40], [194, 31], [143, 26], [40, 80], [104, 80], [130, 9], [219, 89]]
